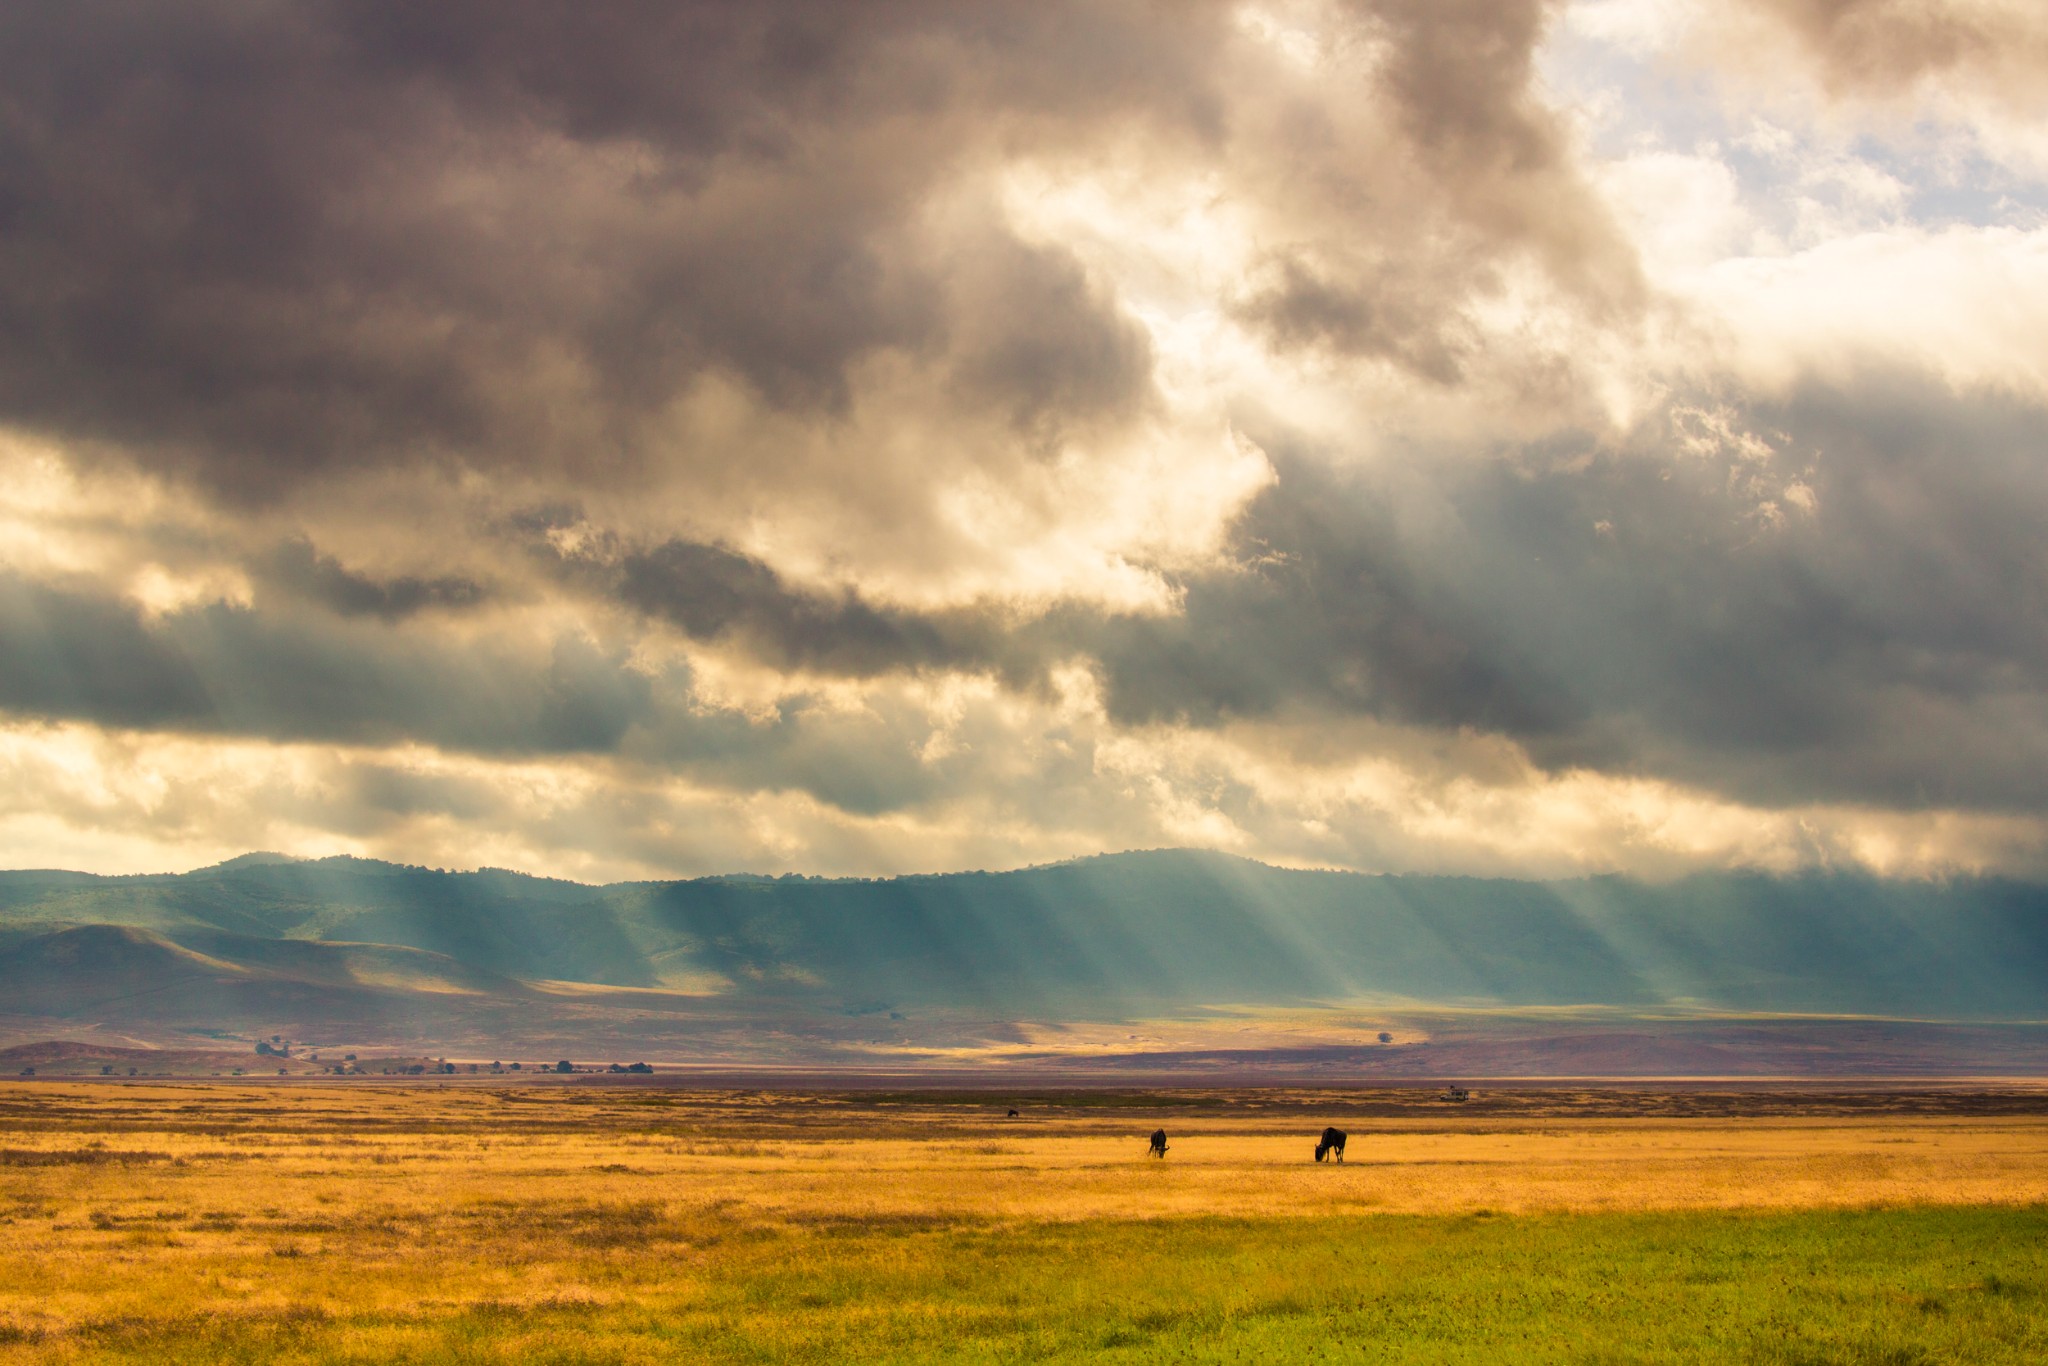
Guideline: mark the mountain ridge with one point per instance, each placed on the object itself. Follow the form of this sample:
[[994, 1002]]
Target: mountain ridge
[[331, 945]]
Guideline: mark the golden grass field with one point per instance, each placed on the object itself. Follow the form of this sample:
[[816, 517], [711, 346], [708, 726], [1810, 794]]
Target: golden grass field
[[209, 1221]]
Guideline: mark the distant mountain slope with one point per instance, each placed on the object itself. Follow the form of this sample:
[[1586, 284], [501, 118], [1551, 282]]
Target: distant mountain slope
[[127, 972], [1094, 939]]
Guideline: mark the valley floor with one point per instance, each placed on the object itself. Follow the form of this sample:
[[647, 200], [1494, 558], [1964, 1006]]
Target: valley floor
[[208, 1222]]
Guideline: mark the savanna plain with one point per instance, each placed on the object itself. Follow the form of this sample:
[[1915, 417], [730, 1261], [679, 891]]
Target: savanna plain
[[571, 1222]]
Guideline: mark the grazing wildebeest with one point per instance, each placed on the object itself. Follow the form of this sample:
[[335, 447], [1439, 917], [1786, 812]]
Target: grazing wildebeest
[[1013, 1114], [1159, 1143], [1332, 1142]]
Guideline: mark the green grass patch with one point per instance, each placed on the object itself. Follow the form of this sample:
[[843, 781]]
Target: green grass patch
[[1888, 1287]]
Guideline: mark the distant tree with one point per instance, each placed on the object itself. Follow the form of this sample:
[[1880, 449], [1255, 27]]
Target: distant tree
[[515, 1067], [263, 1048], [1386, 1037], [565, 1066], [639, 1067]]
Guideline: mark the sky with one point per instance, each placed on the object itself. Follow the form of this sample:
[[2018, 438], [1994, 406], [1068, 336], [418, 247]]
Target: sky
[[657, 439]]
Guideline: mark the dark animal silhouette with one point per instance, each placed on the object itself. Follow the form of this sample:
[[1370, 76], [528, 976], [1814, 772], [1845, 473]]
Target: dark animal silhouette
[[1332, 1142], [1013, 1114], [1159, 1143]]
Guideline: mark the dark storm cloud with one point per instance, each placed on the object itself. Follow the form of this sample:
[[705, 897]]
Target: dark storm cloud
[[1479, 175], [1659, 610], [1064, 352], [1332, 615], [68, 653], [1324, 614], [298, 568], [1364, 311], [269, 239], [79, 655], [1672, 610], [1677, 612], [1883, 47], [294, 680], [864, 762], [1328, 618], [73, 655], [1893, 647], [714, 594], [1460, 81]]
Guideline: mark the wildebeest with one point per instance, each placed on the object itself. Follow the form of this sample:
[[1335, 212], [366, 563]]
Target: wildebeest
[[1332, 1142], [1012, 1114], [1159, 1143]]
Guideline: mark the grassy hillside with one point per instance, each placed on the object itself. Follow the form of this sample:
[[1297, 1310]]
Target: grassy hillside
[[1124, 936]]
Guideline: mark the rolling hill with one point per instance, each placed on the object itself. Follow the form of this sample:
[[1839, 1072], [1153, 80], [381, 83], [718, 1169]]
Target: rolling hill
[[827, 970]]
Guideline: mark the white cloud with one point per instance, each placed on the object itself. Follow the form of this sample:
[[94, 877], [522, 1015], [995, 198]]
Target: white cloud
[[1967, 305]]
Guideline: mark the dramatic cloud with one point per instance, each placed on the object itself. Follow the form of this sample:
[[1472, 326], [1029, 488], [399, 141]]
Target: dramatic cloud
[[297, 567], [1884, 47], [1473, 434], [279, 242]]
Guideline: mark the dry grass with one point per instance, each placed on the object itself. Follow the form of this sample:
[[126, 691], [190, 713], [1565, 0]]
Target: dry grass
[[129, 1210]]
